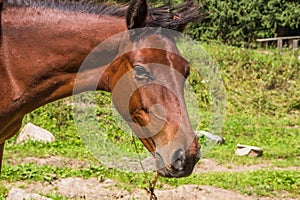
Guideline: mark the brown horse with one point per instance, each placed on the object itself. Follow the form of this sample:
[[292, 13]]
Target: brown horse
[[43, 44]]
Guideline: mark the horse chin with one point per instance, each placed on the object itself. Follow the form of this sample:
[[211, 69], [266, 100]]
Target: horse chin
[[164, 172], [169, 172]]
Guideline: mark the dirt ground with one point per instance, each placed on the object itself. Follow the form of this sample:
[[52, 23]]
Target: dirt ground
[[78, 188], [206, 165]]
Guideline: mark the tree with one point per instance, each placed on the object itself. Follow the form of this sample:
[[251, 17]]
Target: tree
[[241, 22]]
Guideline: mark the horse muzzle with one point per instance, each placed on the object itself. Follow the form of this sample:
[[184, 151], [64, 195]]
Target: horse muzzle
[[181, 165]]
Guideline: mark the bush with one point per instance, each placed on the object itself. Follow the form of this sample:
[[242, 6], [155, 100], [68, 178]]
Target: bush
[[241, 22]]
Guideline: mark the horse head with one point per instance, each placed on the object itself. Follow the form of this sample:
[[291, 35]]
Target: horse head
[[147, 84]]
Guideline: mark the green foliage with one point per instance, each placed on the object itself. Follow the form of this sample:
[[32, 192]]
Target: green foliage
[[59, 115], [241, 22], [259, 82], [47, 173], [277, 138], [3, 191]]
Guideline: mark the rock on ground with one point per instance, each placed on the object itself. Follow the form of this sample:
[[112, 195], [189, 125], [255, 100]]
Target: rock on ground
[[245, 150], [18, 194], [33, 132]]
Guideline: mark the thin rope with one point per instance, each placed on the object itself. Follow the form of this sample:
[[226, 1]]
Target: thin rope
[[150, 189]]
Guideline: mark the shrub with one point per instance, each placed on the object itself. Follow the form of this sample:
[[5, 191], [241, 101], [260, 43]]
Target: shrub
[[241, 22]]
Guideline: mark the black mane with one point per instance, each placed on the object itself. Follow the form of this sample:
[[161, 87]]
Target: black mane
[[71, 5], [175, 17], [169, 17]]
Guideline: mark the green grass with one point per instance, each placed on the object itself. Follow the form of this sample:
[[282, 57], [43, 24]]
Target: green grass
[[262, 109], [278, 140], [3, 191], [259, 182]]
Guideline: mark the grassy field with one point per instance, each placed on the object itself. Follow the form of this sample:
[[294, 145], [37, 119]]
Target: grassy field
[[262, 109]]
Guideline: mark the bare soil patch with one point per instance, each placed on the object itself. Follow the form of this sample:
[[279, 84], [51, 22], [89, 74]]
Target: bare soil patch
[[78, 188], [92, 188], [205, 165], [210, 165]]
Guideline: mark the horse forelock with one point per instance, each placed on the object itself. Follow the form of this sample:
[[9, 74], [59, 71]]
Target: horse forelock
[[175, 17], [169, 17]]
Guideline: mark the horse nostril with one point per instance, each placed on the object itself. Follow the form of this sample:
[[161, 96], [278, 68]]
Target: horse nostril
[[178, 160]]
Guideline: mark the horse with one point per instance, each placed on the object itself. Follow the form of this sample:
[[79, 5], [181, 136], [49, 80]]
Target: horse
[[44, 43]]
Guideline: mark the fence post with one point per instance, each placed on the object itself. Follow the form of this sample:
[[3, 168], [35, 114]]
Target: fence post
[[279, 45], [295, 44]]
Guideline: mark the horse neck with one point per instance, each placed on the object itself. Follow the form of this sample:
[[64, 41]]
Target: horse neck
[[42, 50]]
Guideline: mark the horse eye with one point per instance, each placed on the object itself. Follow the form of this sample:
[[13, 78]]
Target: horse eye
[[140, 70]]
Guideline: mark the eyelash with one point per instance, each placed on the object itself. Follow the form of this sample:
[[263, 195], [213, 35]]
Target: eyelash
[[141, 73]]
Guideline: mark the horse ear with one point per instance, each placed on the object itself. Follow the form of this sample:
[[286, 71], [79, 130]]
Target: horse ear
[[136, 14]]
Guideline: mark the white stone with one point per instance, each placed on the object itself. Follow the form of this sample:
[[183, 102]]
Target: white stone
[[17, 193], [217, 139], [35, 133], [245, 150]]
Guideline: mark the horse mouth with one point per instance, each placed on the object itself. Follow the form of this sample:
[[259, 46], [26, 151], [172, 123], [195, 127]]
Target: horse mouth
[[168, 171], [165, 172]]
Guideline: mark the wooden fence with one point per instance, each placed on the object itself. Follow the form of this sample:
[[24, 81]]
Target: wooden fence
[[292, 42]]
